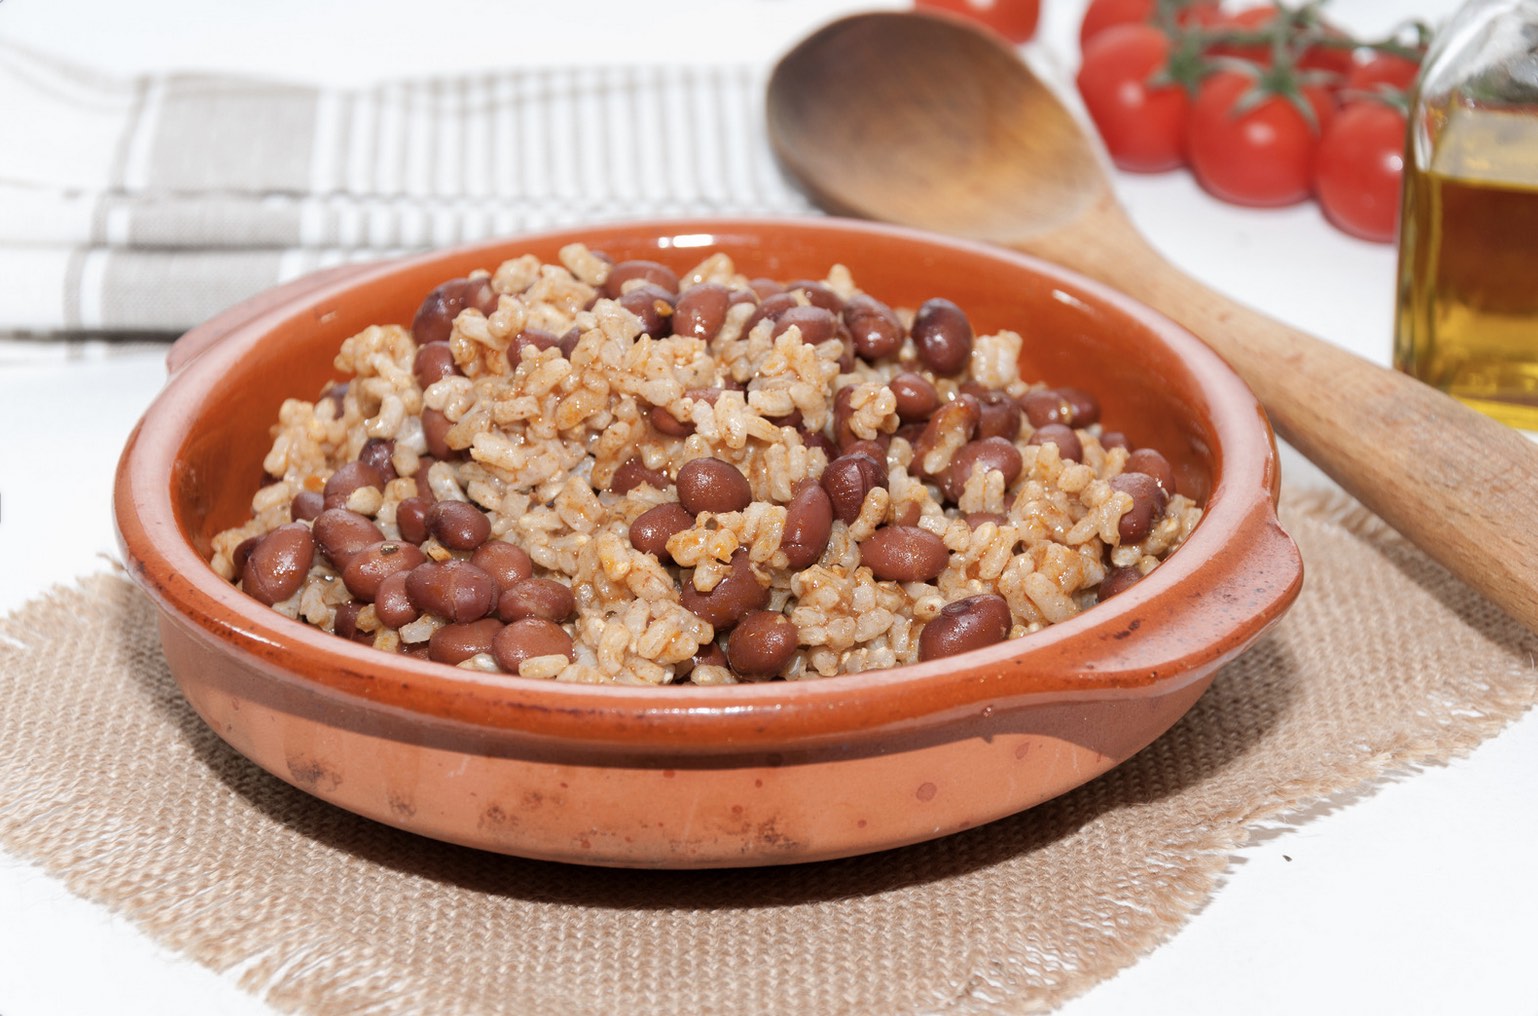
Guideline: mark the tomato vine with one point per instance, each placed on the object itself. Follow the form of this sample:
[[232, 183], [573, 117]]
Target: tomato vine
[[1265, 105]]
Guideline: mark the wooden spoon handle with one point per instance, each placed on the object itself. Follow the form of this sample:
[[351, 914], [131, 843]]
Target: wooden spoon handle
[[1458, 484]]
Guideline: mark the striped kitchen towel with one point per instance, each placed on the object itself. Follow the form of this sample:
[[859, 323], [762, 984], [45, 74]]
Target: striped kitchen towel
[[149, 204]]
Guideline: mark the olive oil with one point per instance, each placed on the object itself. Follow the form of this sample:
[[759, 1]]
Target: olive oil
[[1468, 269]]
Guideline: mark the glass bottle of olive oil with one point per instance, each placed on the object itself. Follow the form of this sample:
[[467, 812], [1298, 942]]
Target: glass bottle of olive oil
[[1468, 250]]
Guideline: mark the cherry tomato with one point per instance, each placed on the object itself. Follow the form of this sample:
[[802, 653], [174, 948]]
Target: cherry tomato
[[1382, 69], [1015, 20], [1263, 155], [1143, 126], [1359, 169], [1103, 14]]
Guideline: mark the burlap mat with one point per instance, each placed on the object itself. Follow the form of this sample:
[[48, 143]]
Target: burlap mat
[[111, 783]]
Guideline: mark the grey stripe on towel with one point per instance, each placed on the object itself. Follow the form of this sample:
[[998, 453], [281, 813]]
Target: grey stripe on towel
[[184, 193]]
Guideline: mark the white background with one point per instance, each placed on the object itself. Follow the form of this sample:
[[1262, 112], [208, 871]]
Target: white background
[[1416, 898]]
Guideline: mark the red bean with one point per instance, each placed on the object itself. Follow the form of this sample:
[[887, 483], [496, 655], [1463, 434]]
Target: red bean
[[818, 294], [653, 528], [336, 395], [435, 429], [379, 453], [307, 505], [815, 324], [434, 321], [1148, 500], [873, 450], [377, 562], [532, 338], [1068, 445], [916, 397], [507, 563], [653, 305], [958, 417], [710, 395], [411, 518], [964, 625], [632, 473], [241, 554], [701, 311], [393, 604], [910, 432], [341, 533], [434, 362], [995, 454], [762, 644], [569, 340], [772, 307], [846, 357], [904, 554], [544, 598], [843, 412], [454, 590], [808, 525], [424, 483], [1154, 464], [765, 288], [350, 477], [793, 420], [817, 439], [847, 480], [456, 643], [1114, 439], [708, 655], [344, 623], [975, 519], [458, 525], [943, 336], [528, 638], [652, 272], [1084, 408], [1044, 405], [713, 485], [874, 329], [1072, 407], [735, 595], [668, 424], [999, 415], [279, 562], [1118, 580]]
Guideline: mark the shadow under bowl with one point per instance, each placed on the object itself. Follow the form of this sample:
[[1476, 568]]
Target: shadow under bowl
[[684, 776]]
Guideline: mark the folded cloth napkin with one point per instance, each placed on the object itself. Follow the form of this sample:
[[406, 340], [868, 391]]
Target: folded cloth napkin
[[149, 204]]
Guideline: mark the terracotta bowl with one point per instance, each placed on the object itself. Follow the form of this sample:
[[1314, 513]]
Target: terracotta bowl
[[695, 777]]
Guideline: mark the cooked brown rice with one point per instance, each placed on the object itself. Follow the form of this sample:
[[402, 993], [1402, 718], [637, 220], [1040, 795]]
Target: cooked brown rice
[[539, 434]]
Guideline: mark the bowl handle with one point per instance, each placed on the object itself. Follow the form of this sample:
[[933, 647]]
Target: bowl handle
[[1229, 605], [210, 333]]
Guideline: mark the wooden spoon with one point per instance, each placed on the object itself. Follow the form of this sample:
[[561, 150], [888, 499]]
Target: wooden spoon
[[927, 121]]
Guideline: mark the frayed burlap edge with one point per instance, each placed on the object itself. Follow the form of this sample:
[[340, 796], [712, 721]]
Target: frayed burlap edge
[[314, 910]]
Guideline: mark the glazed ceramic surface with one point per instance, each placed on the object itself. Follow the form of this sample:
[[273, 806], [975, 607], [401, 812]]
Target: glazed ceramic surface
[[695, 777]]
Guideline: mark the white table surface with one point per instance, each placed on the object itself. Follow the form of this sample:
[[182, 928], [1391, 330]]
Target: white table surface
[[1419, 897]]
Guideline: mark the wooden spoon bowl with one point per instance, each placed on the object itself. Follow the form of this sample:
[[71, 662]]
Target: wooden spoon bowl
[[931, 122]]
